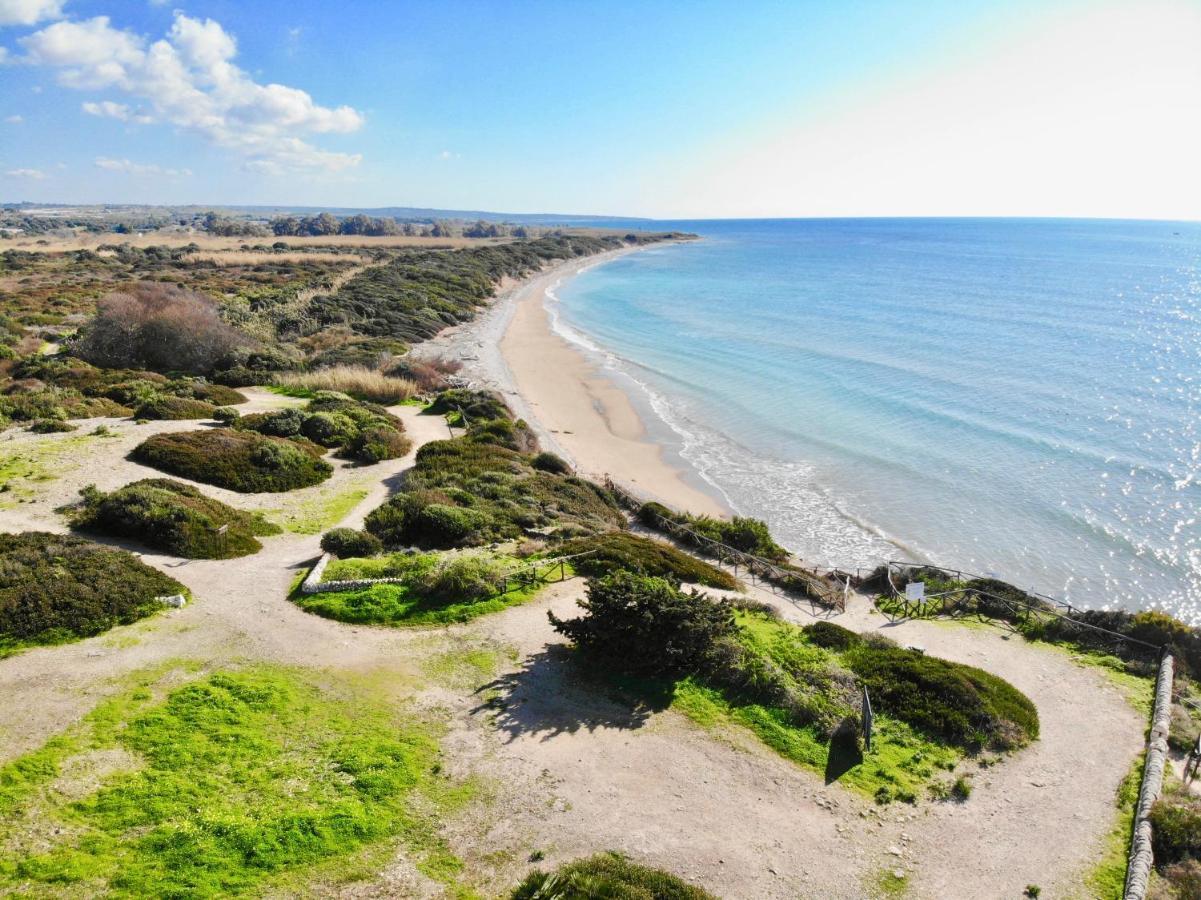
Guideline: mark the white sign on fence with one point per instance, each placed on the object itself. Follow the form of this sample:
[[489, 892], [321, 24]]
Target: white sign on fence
[[915, 590]]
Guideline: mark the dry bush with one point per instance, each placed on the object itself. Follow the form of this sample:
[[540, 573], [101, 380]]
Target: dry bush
[[357, 381], [158, 326], [430, 375]]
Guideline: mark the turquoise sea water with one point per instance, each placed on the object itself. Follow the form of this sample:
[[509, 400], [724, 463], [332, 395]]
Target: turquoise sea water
[[1010, 397]]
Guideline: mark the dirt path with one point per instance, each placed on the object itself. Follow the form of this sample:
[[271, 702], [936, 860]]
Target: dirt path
[[569, 772]]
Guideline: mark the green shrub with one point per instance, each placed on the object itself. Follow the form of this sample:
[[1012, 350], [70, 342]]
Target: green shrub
[[277, 423], [217, 394], [226, 415], [641, 625], [748, 535], [832, 636], [50, 426], [347, 542], [962, 788], [1184, 878], [460, 579], [55, 588], [621, 550], [237, 460], [167, 407], [550, 462], [376, 443], [439, 525], [329, 429], [1176, 829], [505, 433], [173, 517], [961, 704], [477, 406], [606, 875]]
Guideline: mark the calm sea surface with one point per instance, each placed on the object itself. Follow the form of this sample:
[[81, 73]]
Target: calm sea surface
[[1011, 397]]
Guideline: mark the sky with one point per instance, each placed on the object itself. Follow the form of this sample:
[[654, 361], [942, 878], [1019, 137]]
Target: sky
[[660, 109]]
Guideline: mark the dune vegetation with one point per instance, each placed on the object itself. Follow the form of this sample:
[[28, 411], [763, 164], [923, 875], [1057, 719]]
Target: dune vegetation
[[606, 875], [56, 588], [173, 517], [360, 430], [243, 461]]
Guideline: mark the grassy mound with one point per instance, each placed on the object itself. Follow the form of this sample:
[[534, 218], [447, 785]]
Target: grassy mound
[[433, 589], [242, 461], [174, 517], [621, 550], [798, 690], [364, 431], [174, 408], [55, 588], [245, 782], [607, 875]]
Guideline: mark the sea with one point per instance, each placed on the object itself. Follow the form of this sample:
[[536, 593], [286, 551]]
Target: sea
[[1018, 398]]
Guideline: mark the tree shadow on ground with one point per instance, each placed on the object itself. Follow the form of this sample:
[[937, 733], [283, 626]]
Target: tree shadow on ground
[[551, 695], [844, 752]]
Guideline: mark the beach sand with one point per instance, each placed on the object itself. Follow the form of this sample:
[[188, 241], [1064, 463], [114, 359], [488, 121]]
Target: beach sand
[[573, 406]]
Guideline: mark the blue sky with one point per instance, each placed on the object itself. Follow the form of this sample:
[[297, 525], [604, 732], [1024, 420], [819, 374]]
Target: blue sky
[[660, 109]]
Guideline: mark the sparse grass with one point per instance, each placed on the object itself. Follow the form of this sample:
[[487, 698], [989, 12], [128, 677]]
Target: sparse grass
[[1107, 879], [321, 511], [888, 884], [359, 382], [608, 875], [463, 667], [30, 464], [235, 783]]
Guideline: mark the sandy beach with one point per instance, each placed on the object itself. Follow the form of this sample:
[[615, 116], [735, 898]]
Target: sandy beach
[[573, 405]]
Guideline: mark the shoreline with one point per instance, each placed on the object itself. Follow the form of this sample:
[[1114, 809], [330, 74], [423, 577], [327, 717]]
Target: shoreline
[[576, 408]]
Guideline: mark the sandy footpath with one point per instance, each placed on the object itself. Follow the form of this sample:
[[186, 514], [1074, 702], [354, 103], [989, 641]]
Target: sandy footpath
[[573, 405]]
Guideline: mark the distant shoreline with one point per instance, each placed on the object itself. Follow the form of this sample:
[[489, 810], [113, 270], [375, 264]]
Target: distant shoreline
[[574, 406]]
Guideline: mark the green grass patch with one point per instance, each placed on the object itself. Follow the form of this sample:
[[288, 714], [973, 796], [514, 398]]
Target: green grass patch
[[1107, 880], [320, 512], [607, 875], [235, 783], [887, 883], [25, 468]]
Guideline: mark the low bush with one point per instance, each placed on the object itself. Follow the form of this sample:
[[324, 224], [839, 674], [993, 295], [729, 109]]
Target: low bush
[[550, 462], [173, 517], [477, 406], [460, 579], [226, 415], [1176, 828], [607, 875], [167, 407], [51, 426], [832, 636], [961, 704], [745, 534], [376, 443], [237, 460], [360, 382], [429, 375], [55, 588], [347, 542], [622, 550], [365, 431]]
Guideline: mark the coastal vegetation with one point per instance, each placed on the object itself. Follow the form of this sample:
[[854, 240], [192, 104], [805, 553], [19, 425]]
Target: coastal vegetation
[[173, 517], [614, 550], [243, 461], [56, 588], [360, 430], [430, 589], [483, 487], [235, 782], [798, 689], [606, 875], [360, 382]]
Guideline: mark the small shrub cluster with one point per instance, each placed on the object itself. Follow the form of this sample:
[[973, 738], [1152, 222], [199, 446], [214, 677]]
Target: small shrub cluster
[[243, 461], [349, 542], [477, 489], [173, 517], [606, 875], [364, 431], [615, 550], [430, 375], [161, 407], [477, 406], [55, 588], [1176, 828]]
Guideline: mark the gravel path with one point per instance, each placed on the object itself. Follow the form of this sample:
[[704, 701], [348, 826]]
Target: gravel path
[[567, 771]]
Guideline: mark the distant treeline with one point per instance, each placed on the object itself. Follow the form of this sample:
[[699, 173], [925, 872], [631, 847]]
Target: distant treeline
[[329, 224]]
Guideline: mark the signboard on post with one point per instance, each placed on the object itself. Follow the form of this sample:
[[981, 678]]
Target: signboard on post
[[915, 590], [867, 720]]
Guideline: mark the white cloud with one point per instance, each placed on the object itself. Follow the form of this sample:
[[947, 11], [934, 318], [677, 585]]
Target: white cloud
[[132, 168], [35, 174], [29, 12], [3, 55], [119, 111], [14, 120], [189, 79]]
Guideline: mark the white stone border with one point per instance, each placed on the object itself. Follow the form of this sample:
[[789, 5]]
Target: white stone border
[[313, 584]]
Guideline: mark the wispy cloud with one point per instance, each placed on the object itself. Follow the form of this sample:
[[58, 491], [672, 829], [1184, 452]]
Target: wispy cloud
[[130, 167], [14, 119], [35, 174], [188, 79], [29, 12]]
